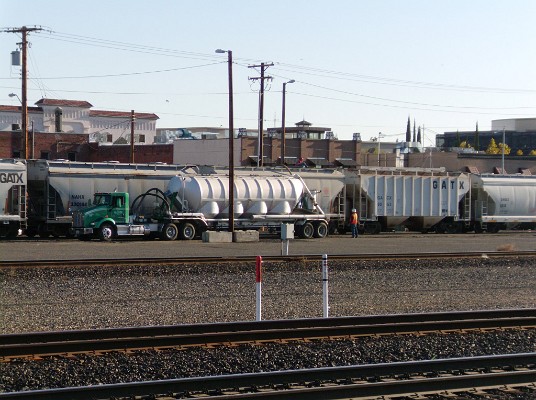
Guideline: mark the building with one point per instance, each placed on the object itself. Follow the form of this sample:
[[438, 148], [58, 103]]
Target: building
[[519, 134], [78, 117]]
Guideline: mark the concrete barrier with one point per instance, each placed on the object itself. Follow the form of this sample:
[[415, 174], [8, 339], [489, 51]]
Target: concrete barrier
[[217, 237], [245, 236]]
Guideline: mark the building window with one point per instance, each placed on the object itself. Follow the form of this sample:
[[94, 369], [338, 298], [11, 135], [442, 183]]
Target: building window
[[71, 156], [45, 155]]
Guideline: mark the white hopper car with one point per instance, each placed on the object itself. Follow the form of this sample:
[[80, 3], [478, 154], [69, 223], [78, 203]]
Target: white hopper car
[[414, 199], [503, 202], [12, 197]]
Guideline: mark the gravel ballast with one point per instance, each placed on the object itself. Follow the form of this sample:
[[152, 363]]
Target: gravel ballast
[[88, 298]]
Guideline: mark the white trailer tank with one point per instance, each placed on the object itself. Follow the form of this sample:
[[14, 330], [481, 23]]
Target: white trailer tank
[[419, 199], [509, 199], [57, 188], [13, 180], [324, 184], [253, 195]]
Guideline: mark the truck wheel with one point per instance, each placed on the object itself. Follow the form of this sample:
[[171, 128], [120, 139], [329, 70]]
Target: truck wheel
[[307, 230], [186, 231], [169, 232], [106, 232], [321, 230]]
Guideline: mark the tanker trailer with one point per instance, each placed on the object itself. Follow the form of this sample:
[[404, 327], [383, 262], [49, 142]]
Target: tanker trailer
[[503, 202], [326, 186], [58, 188], [12, 198], [262, 202]]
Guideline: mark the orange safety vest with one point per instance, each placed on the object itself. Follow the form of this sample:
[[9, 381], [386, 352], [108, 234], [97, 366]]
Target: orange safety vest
[[353, 219]]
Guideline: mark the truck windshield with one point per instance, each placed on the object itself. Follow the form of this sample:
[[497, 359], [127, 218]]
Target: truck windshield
[[102, 199]]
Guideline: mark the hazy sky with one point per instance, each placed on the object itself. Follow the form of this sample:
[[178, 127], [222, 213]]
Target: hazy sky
[[359, 66]]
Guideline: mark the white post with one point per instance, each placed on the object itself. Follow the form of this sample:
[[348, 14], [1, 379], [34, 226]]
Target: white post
[[325, 285], [258, 284]]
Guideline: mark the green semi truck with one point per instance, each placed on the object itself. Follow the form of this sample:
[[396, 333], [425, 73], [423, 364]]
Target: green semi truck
[[111, 216]]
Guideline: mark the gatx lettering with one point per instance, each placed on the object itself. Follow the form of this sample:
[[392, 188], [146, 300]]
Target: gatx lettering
[[10, 177]]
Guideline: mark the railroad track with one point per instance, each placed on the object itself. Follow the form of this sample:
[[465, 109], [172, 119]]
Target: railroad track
[[34, 345], [251, 259], [445, 376]]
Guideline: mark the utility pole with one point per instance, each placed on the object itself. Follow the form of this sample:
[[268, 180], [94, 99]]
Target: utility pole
[[132, 123], [263, 67], [24, 47]]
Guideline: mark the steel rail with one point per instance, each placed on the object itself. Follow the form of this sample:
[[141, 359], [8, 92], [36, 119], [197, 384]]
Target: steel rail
[[251, 259], [323, 383], [65, 342]]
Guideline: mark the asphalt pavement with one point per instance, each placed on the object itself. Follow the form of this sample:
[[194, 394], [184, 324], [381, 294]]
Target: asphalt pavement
[[390, 243]]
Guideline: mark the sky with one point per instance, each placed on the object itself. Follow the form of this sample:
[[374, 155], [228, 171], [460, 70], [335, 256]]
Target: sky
[[358, 66]]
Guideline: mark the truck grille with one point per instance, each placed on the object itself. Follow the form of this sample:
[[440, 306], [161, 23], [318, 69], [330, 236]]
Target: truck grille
[[78, 219]]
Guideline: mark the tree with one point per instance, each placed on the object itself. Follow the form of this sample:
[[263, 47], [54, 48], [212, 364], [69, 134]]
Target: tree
[[492, 147], [465, 144], [519, 152], [414, 133], [507, 149], [408, 131], [532, 153], [477, 138], [419, 135], [457, 138]]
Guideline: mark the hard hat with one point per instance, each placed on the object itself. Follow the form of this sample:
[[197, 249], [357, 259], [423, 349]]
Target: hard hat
[[354, 210]]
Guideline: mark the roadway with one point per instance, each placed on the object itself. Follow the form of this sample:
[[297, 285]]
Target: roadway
[[388, 243]]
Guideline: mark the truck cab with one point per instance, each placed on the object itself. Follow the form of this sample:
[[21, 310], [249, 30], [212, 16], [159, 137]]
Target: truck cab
[[101, 218]]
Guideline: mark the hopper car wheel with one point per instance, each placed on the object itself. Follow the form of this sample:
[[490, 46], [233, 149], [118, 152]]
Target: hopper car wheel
[[307, 230], [43, 233], [492, 228], [106, 232], [169, 232], [186, 231], [30, 232], [321, 230]]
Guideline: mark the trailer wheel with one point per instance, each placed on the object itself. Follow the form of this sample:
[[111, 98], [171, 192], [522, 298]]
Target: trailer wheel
[[307, 231], [106, 232], [321, 230], [186, 231], [169, 232]]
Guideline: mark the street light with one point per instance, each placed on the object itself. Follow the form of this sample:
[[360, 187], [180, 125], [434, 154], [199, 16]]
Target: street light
[[231, 137], [15, 95], [283, 123]]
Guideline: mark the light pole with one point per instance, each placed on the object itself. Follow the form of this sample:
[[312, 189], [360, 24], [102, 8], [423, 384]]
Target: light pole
[[231, 138], [503, 146], [283, 123], [379, 143]]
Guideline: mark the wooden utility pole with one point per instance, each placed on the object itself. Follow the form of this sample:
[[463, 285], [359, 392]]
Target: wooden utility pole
[[132, 123], [263, 67], [24, 47]]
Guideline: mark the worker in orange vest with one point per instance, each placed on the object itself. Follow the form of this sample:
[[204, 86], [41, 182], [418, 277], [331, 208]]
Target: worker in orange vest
[[354, 221]]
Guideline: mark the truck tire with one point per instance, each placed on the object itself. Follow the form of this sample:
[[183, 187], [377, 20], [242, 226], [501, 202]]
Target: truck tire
[[169, 232], [106, 232], [321, 230], [186, 231], [307, 230]]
